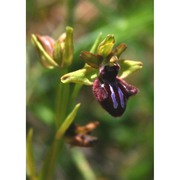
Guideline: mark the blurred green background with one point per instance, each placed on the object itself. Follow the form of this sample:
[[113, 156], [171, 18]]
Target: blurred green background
[[125, 148]]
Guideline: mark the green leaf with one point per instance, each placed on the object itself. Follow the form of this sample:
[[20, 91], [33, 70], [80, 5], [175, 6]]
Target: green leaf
[[128, 67], [106, 46], [29, 156], [91, 59], [67, 122], [45, 59], [84, 76]]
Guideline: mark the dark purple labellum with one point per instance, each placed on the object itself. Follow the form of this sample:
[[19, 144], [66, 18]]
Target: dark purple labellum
[[111, 91]]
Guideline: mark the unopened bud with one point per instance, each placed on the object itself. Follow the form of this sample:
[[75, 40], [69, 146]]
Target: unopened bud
[[45, 45]]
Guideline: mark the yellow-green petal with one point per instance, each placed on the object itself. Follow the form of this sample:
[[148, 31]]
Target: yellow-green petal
[[120, 49]]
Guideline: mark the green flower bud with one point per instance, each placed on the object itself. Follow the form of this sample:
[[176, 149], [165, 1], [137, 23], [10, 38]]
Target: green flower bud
[[45, 45], [55, 54]]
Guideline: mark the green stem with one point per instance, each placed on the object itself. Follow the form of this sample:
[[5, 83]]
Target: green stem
[[52, 156], [62, 100], [75, 92], [50, 161]]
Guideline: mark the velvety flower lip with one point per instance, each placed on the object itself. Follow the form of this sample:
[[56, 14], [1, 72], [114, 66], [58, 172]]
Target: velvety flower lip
[[111, 91], [108, 73]]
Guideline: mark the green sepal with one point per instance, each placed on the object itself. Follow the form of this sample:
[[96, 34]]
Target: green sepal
[[67, 122], [128, 67], [106, 46], [120, 49], [57, 53], [91, 59], [45, 59], [84, 76], [68, 48]]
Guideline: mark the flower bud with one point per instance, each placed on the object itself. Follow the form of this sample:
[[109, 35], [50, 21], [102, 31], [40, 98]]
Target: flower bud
[[45, 46], [47, 43], [55, 54], [63, 48]]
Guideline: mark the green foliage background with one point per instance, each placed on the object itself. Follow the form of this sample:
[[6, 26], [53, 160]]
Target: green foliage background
[[125, 148]]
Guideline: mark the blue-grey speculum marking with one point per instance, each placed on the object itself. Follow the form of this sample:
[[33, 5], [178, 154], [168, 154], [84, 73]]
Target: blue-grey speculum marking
[[113, 96], [121, 95]]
